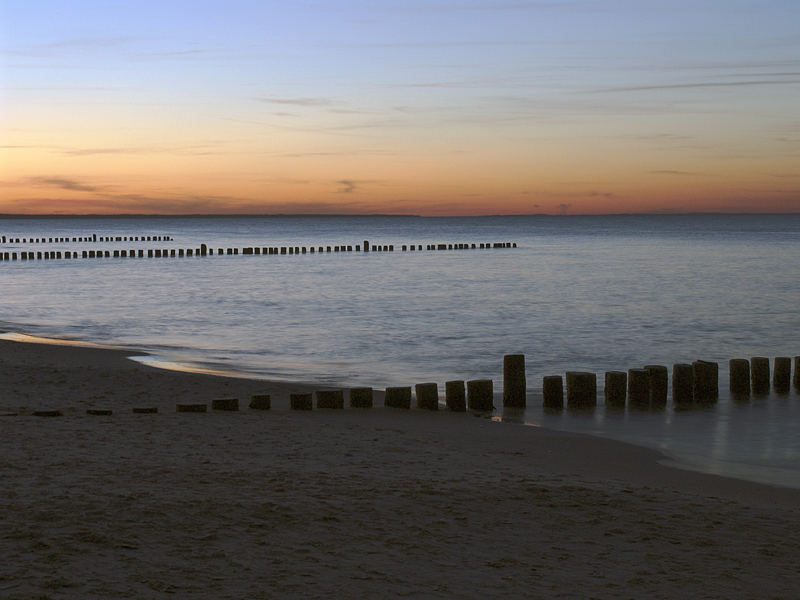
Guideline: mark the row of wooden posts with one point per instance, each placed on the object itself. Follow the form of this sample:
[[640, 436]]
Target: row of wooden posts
[[204, 250], [86, 238], [695, 383], [642, 388]]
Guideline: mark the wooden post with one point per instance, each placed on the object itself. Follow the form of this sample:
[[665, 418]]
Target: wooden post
[[581, 389], [796, 376], [514, 384], [191, 408], [781, 376], [330, 399], [759, 374], [427, 396], [553, 392], [366, 245], [454, 395], [706, 381], [260, 402], [739, 376], [99, 412], [616, 388], [397, 397], [659, 385], [300, 401], [230, 404], [361, 397], [480, 394], [682, 384], [639, 388]]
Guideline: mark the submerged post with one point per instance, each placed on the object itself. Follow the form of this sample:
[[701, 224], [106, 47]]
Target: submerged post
[[682, 384], [781, 376], [616, 389], [739, 376], [581, 389], [454, 396], [659, 384], [514, 385], [553, 392], [639, 388], [759, 373], [706, 381]]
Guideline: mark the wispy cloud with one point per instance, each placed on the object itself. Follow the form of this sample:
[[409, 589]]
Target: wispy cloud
[[348, 186], [671, 172], [298, 101], [697, 85], [63, 183]]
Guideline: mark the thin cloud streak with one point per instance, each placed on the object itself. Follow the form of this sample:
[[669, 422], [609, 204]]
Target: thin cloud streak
[[708, 84], [63, 183]]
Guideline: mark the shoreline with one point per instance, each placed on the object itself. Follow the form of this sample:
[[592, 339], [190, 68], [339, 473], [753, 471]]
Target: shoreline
[[110, 370], [379, 502], [222, 382]]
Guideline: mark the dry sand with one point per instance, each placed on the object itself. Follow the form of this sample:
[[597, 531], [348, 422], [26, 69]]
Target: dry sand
[[353, 503]]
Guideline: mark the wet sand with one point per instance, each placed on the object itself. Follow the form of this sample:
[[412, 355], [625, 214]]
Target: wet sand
[[352, 503]]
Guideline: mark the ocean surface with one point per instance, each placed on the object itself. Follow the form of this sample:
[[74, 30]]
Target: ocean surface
[[592, 293]]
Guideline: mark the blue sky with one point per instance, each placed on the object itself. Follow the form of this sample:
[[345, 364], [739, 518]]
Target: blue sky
[[525, 104]]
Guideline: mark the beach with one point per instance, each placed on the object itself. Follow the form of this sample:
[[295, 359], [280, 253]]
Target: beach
[[371, 502]]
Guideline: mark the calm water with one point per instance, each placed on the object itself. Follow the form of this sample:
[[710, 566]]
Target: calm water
[[578, 293]]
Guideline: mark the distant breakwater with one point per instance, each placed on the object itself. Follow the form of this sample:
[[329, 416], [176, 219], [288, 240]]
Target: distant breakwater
[[204, 250]]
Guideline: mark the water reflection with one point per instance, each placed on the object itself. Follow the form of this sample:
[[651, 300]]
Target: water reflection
[[754, 438]]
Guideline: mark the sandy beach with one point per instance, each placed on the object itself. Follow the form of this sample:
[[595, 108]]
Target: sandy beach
[[354, 503]]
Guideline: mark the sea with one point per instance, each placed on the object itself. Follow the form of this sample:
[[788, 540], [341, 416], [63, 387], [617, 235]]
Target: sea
[[571, 293]]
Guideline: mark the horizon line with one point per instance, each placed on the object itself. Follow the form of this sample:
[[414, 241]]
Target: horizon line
[[385, 215]]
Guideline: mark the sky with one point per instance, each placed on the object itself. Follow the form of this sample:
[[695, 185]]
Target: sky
[[429, 107]]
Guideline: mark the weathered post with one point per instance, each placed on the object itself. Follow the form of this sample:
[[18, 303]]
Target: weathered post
[[581, 389], [639, 388], [454, 395], [759, 374], [398, 397], [330, 399], [191, 408], [553, 392], [739, 376], [480, 394], [616, 388], [781, 376], [796, 376], [659, 384], [706, 381], [361, 397], [366, 245], [229, 404], [300, 401], [427, 396], [260, 402], [682, 384], [514, 384]]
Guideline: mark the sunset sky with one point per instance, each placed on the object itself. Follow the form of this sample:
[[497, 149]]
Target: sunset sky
[[432, 107]]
